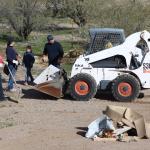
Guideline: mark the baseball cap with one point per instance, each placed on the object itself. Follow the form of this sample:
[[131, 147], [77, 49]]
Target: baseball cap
[[50, 37]]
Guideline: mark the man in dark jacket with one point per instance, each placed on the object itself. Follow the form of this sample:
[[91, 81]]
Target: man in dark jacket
[[54, 51], [12, 59]]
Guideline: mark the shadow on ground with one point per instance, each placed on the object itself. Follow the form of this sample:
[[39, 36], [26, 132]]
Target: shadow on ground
[[23, 83], [103, 95], [20, 82], [82, 131], [33, 94]]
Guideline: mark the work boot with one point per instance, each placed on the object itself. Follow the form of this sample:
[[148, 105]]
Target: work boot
[[25, 83]]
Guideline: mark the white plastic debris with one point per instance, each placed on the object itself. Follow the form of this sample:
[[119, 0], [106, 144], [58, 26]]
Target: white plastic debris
[[99, 125]]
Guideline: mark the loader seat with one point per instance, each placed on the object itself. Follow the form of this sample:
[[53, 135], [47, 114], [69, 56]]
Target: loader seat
[[134, 63]]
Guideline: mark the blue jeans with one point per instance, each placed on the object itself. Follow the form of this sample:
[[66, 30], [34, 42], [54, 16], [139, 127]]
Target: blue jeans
[[11, 80]]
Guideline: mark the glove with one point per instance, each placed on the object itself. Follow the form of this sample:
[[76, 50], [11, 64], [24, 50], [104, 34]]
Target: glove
[[44, 59], [15, 62], [5, 62]]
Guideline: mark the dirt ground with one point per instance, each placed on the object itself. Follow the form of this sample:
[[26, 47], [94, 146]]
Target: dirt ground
[[40, 122]]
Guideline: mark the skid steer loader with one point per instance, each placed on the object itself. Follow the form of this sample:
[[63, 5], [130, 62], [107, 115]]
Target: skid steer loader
[[113, 62]]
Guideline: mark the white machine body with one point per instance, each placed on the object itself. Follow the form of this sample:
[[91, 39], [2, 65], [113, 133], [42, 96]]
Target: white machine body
[[103, 74]]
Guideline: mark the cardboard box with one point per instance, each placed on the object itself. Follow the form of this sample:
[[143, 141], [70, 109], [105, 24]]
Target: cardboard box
[[128, 117]]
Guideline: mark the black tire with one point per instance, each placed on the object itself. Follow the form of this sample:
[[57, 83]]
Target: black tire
[[82, 87], [125, 88]]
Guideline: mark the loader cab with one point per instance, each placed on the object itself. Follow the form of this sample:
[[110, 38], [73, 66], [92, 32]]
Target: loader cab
[[104, 38], [139, 55]]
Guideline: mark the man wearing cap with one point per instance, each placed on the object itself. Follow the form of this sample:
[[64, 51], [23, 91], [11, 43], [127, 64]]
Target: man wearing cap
[[54, 51], [11, 55]]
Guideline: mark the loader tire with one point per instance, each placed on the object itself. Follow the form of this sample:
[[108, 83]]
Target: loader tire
[[82, 87], [125, 88]]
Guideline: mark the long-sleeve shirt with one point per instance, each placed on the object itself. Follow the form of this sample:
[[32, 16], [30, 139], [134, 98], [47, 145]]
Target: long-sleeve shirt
[[11, 54], [28, 59], [54, 52]]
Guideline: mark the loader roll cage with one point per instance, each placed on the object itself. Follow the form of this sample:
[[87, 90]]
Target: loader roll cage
[[100, 37]]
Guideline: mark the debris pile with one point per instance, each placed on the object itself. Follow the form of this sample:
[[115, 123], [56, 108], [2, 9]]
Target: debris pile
[[73, 53], [118, 124]]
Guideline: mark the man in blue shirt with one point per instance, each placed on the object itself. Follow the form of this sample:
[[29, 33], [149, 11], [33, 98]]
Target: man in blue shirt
[[12, 59], [54, 51]]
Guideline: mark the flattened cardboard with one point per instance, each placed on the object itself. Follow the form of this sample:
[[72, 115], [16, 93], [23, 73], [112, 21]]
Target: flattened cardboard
[[128, 123], [127, 116], [140, 127], [147, 125], [137, 120], [115, 112], [132, 115]]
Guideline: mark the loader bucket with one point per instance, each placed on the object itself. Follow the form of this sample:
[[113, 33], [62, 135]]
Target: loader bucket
[[50, 82], [52, 88]]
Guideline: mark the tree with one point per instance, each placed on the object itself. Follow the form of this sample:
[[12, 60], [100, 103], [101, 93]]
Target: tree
[[23, 15], [74, 9], [131, 15], [54, 6]]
